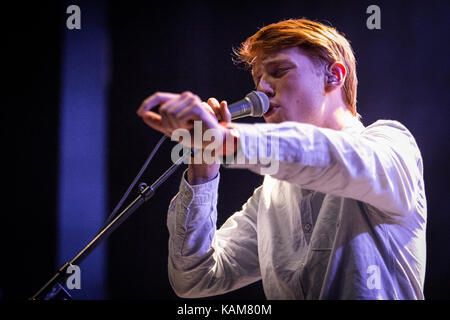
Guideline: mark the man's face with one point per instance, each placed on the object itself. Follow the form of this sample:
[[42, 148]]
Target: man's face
[[294, 85]]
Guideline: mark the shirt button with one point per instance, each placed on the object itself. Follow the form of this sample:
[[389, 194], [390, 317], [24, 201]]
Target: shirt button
[[307, 227]]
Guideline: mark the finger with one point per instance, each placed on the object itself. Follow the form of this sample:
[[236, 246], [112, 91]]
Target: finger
[[196, 111], [226, 115], [208, 108], [214, 104], [153, 120], [188, 115], [154, 100], [191, 115], [170, 110]]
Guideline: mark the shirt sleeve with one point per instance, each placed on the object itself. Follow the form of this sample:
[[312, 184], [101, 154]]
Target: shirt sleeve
[[204, 261], [381, 165]]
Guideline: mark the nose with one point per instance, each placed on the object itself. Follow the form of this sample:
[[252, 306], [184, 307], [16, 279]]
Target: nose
[[265, 87]]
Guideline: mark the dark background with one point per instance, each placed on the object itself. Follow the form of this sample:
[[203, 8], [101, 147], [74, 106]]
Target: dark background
[[403, 73]]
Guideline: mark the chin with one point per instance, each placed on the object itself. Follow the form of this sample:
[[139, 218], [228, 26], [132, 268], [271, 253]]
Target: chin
[[273, 121]]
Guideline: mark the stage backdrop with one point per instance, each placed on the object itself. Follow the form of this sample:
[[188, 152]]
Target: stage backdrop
[[77, 142], [402, 69]]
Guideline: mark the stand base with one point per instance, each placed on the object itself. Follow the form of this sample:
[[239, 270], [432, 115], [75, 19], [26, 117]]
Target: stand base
[[58, 292]]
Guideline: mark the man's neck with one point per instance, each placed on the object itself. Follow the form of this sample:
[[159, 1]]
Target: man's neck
[[339, 118]]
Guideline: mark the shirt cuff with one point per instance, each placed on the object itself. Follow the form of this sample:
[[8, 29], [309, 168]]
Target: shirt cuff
[[199, 194], [257, 148]]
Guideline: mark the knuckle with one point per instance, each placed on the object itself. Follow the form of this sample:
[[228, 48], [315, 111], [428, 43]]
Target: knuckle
[[190, 99], [145, 101], [197, 99], [164, 110], [154, 96]]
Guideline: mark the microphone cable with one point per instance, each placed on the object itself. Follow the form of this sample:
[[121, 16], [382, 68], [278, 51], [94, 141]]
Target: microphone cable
[[133, 184]]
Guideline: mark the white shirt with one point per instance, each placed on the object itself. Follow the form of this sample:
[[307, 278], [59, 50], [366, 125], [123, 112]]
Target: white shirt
[[343, 216]]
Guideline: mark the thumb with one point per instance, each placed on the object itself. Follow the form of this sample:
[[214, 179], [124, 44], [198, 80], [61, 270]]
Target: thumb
[[154, 120]]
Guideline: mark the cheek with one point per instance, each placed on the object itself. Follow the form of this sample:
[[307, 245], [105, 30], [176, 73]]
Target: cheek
[[290, 89], [296, 92], [300, 98]]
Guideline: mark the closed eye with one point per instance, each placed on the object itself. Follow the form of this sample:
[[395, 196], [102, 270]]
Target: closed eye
[[274, 70], [279, 72]]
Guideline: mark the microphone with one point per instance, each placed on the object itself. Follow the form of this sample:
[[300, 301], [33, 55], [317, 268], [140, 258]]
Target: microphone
[[255, 104]]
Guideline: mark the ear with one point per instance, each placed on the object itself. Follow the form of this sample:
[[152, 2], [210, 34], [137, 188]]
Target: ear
[[334, 76]]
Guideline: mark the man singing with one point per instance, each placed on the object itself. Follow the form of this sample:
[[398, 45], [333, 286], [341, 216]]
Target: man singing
[[344, 214]]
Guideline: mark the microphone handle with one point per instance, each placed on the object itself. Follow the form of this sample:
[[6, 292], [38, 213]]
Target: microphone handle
[[240, 109]]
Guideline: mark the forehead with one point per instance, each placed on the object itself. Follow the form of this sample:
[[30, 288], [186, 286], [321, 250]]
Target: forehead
[[292, 55]]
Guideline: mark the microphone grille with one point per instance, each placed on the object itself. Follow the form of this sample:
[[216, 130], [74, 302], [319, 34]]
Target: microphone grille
[[260, 103]]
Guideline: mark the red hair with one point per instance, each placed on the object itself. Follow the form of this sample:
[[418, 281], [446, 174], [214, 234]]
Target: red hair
[[317, 39]]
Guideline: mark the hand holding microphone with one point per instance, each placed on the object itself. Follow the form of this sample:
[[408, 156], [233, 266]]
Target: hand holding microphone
[[179, 111]]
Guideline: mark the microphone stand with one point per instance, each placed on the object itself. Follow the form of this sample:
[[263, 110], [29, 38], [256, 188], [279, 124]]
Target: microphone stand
[[54, 289]]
